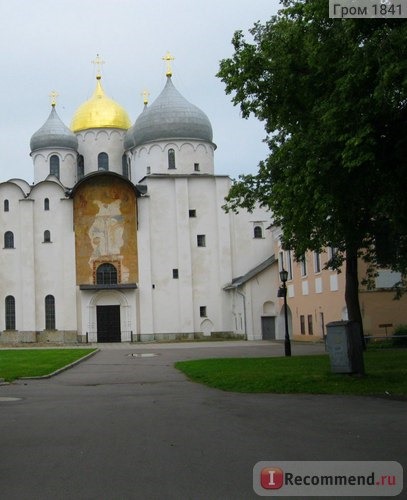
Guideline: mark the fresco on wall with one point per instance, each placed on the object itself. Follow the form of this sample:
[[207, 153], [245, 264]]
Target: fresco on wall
[[106, 232], [105, 218]]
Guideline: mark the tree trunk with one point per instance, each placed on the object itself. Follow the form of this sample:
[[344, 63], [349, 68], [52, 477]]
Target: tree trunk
[[352, 290]]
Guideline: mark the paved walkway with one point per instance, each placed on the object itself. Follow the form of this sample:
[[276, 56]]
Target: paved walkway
[[126, 425]]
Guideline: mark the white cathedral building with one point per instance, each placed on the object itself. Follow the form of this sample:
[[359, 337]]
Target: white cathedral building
[[122, 236]]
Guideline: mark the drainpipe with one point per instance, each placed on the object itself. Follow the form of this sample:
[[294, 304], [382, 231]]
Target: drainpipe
[[244, 312]]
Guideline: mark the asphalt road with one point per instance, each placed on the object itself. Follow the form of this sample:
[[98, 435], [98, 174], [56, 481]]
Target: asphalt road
[[126, 425]]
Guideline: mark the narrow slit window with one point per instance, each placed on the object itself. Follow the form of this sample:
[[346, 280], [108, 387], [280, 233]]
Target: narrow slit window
[[8, 239], [10, 304], [103, 161], [171, 159], [125, 167], [54, 166], [80, 167], [49, 312]]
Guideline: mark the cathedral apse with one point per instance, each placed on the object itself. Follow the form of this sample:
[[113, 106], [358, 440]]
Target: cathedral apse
[[105, 224]]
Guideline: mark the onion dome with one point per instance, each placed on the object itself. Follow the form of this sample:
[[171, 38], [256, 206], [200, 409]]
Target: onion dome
[[53, 134], [100, 112], [170, 116]]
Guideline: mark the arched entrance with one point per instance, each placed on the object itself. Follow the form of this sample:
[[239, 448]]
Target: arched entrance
[[109, 312], [268, 321], [108, 323]]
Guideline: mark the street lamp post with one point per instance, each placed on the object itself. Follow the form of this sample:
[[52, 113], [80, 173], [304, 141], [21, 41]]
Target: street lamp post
[[287, 343]]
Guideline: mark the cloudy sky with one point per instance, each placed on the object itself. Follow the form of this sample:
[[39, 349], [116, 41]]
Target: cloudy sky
[[49, 45]]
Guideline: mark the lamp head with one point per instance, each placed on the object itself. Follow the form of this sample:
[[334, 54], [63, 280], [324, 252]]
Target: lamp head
[[283, 275]]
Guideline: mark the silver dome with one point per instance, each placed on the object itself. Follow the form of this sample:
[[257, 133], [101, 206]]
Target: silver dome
[[170, 116], [53, 134]]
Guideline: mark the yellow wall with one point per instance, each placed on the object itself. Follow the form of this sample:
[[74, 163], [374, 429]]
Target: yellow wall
[[105, 224], [313, 295], [380, 308]]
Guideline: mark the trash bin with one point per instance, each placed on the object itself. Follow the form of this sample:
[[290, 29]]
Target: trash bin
[[345, 347]]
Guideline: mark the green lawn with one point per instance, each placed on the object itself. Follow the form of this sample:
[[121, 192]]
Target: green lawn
[[386, 373], [16, 363]]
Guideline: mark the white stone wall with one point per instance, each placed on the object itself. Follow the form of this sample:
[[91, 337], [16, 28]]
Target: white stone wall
[[152, 158], [33, 268], [67, 165], [167, 239], [54, 262], [94, 141], [16, 264], [247, 250]]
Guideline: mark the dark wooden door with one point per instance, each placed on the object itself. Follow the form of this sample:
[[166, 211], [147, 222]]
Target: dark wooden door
[[108, 323], [268, 327]]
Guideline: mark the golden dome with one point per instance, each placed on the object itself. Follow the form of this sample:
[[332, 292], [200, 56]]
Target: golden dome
[[100, 112]]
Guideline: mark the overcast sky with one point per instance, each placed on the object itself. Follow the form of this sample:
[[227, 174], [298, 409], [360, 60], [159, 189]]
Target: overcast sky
[[49, 45]]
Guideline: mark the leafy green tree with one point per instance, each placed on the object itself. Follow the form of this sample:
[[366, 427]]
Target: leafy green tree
[[332, 94]]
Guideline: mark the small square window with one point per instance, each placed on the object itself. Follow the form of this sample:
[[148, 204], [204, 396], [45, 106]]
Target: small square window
[[192, 213], [202, 311], [148, 170], [196, 167], [201, 240], [175, 274]]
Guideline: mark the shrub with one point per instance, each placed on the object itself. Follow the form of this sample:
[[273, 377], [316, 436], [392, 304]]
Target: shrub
[[400, 336]]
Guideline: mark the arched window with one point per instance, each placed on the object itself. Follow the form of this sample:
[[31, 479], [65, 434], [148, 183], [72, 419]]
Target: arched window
[[258, 232], [6, 206], [125, 167], [80, 167], [49, 312], [47, 236], [171, 158], [54, 166], [103, 161], [46, 204], [8, 239], [10, 304], [106, 274]]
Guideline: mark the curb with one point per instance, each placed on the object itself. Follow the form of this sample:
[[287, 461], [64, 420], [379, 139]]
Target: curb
[[60, 370]]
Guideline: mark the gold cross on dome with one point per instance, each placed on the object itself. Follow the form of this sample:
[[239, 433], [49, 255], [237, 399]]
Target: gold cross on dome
[[168, 58], [53, 96], [145, 95], [98, 63]]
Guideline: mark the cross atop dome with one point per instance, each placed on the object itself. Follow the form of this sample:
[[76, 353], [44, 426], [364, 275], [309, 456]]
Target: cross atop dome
[[53, 95], [98, 63], [168, 58], [145, 95]]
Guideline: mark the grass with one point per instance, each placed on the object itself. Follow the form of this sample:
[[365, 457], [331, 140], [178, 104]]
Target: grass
[[17, 363], [386, 374]]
